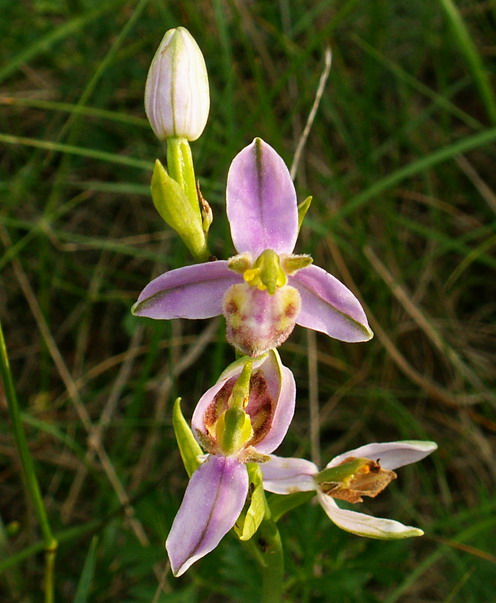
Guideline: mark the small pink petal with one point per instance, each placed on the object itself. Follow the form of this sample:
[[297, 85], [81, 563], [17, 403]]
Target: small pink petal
[[365, 525], [261, 201], [275, 372], [390, 455], [288, 475], [328, 306], [190, 292], [211, 505]]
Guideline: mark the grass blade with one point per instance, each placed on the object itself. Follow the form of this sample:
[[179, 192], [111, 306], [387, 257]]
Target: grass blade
[[469, 51], [416, 167], [84, 586]]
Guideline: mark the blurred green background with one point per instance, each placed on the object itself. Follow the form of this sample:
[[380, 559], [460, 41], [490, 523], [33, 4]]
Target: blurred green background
[[400, 162]]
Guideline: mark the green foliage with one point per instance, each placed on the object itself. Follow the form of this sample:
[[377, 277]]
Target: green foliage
[[188, 446], [399, 163], [252, 516], [84, 585]]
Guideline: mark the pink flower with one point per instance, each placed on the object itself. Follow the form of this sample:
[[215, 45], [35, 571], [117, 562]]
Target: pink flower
[[242, 418], [264, 290], [376, 462]]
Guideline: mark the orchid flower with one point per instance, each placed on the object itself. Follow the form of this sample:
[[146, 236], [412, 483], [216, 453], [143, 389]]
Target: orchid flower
[[265, 289], [241, 419], [348, 477]]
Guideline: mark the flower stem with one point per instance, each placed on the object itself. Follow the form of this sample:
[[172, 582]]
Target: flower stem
[[180, 166], [269, 546], [28, 471], [181, 169]]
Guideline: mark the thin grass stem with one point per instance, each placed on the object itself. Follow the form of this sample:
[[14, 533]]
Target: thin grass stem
[[472, 56], [28, 472]]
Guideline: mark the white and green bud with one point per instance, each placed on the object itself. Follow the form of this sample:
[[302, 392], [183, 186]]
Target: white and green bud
[[177, 99]]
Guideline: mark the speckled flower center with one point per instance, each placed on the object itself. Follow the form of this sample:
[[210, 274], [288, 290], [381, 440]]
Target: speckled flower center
[[258, 409]]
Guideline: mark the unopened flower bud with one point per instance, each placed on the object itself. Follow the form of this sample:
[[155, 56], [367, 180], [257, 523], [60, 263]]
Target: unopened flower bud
[[177, 98]]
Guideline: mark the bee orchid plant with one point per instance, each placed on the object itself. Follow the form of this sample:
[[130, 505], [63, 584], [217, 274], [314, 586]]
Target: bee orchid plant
[[262, 291]]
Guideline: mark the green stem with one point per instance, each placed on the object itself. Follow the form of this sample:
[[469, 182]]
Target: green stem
[[49, 577], [181, 169], [28, 471], [269, 546]]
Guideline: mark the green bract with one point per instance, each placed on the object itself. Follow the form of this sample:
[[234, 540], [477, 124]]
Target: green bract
[[188, 446], [177, 211]]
